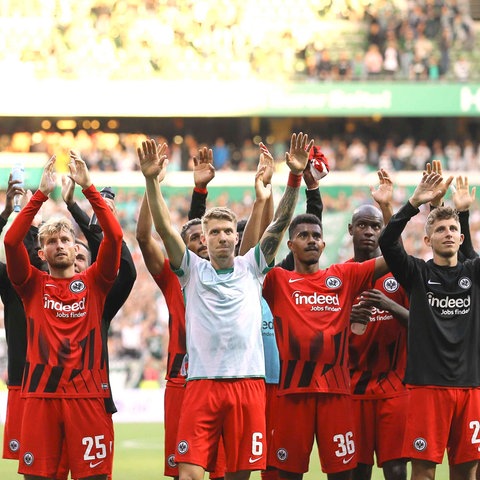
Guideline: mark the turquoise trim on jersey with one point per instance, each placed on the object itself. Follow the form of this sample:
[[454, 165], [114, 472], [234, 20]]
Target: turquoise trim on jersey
[[179, 272], [224, 270], [257, 259]]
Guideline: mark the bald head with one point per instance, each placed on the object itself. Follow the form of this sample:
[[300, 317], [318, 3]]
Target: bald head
[[365, 228], [367, 211]]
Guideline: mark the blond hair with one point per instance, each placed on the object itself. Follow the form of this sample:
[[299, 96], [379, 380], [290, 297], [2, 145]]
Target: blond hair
[[218, 213], [53, 226]]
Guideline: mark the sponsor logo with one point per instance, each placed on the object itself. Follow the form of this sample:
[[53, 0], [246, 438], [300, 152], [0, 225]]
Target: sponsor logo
[[348, 460], [465, 283], [254, 460], [171, 461], [420, 444], [390, 285], [14, 445], [77, 286], [28, 458], [96, 464], [448, 302], [182, 447], [333, 282], [292, 280], [65, 310], [431, 282], [318, 302], [282, 454]]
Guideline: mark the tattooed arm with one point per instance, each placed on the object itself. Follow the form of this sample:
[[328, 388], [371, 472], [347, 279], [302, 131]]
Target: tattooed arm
[[296, 160]]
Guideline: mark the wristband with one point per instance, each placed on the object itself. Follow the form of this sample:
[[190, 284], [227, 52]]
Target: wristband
[[201, 190], [294, 181]]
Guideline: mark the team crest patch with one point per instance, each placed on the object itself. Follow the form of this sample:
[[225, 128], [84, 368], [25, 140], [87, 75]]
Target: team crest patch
[[420, 444], [390, 285], [282, 454], [171, 461], [77, 286], [465, 283], [333, 282], [182, 447], [14, 445], [28, 458]]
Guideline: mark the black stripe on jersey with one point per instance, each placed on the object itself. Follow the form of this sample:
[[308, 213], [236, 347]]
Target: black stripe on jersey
[[91, 346], [362, 383], [36, 377], [43, 348], [177, 365], [25, 374], [373, 355], [307, 374], [289, 373], [53, 379]]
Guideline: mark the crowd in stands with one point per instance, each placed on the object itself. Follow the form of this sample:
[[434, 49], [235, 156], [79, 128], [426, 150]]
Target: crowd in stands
[[222, 39], [117, 152]]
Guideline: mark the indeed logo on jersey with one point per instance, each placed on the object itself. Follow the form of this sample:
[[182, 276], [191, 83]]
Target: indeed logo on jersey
[[65, 310], [378, 315], [318, 302], [449, 306]]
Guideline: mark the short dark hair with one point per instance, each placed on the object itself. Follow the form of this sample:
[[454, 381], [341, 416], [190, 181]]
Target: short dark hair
[[303, 218], [241, 225], [187, 226]]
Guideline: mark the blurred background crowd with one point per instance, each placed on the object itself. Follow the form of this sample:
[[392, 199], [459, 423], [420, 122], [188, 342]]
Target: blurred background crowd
[[317, 40]]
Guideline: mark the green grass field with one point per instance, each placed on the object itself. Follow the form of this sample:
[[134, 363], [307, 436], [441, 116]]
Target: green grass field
[[139, 456]]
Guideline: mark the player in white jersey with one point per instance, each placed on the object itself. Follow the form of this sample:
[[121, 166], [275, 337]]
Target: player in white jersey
[[225, 392]]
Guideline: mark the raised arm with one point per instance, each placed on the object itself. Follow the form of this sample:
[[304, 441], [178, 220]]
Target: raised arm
[[262, 211], [152, 252], [108, 259], [153, 163], [18, 261], [463, 199], [296, 160], [203, 174], [383, 194]]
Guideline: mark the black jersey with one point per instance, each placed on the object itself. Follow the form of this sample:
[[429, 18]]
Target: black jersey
[[444, 319]]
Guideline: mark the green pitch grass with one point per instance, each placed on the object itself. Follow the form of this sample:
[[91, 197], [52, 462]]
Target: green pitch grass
[[139, 456]]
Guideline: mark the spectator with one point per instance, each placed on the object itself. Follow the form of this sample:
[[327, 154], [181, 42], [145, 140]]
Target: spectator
[[373, 61], [461, 68]]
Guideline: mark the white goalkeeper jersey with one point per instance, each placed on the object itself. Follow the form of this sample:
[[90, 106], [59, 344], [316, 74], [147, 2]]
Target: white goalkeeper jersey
[[223, 316]]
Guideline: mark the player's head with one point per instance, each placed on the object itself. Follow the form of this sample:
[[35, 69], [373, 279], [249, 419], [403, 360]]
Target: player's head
[[442, 232], [220, 232], [83, 258], [56, 238], [365, 228], [191, 234], [305, 238], [240, 229]]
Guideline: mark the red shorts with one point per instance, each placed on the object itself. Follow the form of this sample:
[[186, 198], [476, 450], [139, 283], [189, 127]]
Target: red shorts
[[377, 422], [270, 415], [13, 423], [302, 417], [173, 406], [443, 418], [234, 408], [80, 426]]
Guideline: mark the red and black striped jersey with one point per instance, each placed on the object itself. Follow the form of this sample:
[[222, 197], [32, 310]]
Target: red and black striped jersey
[[170, 287], [311, 319]]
